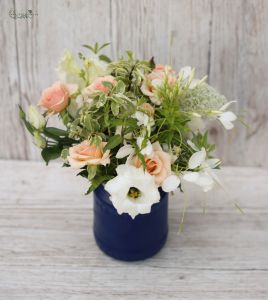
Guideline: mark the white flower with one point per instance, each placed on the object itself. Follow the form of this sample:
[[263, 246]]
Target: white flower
[[185, 72], [197, 159], [170, 183], [147, 149], [226, 117], [75, 105], [205, 178], [202, 179], [35, 118], [68, 71], [96, 67], [143, 119], [132, 191]]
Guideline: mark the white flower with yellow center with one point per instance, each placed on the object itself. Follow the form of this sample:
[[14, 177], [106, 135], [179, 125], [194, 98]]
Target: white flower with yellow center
[[132, 191]]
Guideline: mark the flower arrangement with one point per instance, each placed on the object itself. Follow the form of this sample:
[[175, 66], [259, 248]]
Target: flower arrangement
[[132, 125]]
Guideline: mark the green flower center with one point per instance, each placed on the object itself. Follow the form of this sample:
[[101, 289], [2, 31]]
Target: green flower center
[[134, 193]]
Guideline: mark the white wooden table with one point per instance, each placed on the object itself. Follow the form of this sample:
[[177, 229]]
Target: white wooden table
[[47, 250]]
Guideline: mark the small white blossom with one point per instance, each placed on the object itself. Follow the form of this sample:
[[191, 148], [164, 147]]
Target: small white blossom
[[204, 177], [226, 117]]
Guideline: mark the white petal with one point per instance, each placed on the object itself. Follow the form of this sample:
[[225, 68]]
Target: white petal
[[170, 183], [197, 159], [194, 83], [191, 176], [72, 88], [205, 181], [148, 149], [226, 119], [124, 151], [185, 72], [156, 82], [213, 162], [226, 105], [196, 124], [192, 145], [143, 119]]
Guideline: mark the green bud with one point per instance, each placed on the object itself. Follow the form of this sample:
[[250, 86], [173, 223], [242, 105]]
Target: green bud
[[39, 141], [35, 118]]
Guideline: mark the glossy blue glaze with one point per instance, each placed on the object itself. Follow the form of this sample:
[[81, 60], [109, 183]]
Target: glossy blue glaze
[[126, 239]]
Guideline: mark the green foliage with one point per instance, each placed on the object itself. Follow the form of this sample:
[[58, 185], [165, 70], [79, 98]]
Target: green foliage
[[50, 153], [201, 140], [113, 142]]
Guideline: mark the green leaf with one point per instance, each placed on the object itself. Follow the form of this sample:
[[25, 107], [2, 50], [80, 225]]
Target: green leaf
[[113, 142], [29, 127], [89, 47], [97, 181], [107, 84], [88, 123], [120, 87], [115, 108], [55, 131], [105, 58], [91, 170], [127, 122], [103, 46], [152, 63], [51, 153], [101, 101]]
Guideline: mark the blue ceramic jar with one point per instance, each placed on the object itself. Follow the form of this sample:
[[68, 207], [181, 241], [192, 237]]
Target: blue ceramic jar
[[124, 238]]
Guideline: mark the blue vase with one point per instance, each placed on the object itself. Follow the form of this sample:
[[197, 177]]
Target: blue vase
[[124, 238]]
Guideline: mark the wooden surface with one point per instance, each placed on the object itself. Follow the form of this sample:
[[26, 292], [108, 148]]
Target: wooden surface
[[47, 250], [225, 39]]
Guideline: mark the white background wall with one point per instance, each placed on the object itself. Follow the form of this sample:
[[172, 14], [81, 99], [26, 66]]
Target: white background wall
[[226, 39]]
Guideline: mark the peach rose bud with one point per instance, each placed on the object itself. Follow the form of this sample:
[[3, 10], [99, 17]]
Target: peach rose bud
[[55, 98], [86, 154], [97, 85], [158, 164]]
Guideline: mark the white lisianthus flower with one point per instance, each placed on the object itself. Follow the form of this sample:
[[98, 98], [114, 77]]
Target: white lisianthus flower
[[226, 117], [132, 191], [68, 71], [96, 67], [75, 105], [204, 177], [148, 149], [187, 73], [35, 118]]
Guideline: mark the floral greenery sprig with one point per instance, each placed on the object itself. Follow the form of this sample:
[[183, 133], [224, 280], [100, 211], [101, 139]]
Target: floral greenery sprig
[[130, 124]]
